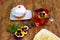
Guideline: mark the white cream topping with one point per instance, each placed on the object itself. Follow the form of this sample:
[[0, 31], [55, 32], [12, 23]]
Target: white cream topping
[[19, 11]]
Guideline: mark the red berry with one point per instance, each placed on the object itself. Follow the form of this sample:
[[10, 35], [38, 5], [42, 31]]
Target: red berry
[[19, 6]]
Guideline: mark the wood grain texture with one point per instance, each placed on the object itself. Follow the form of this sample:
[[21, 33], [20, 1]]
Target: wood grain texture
[[5, 6]]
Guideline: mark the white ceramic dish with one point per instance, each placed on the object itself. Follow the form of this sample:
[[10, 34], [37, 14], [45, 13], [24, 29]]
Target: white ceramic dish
[[19, 10]]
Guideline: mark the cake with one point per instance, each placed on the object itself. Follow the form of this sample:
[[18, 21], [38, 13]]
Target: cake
[[20, 13]]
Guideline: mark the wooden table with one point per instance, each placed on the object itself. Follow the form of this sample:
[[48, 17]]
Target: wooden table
[[5, 6]]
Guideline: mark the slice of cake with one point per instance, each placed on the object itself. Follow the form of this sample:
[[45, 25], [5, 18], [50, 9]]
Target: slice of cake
[[45, 35]]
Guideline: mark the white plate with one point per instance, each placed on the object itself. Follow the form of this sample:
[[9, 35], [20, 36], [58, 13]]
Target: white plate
[[27, 16]]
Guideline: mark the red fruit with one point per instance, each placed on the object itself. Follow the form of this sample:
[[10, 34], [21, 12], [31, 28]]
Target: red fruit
[[19, 6], [40, 20]]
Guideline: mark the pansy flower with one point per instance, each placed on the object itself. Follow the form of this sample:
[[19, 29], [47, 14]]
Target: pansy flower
[[19, 33], [41, 16]]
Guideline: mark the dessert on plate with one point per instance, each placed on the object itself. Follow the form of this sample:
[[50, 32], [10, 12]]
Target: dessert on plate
[[20, 13]]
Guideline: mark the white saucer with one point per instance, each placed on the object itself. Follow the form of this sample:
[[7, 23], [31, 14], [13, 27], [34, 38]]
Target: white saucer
[[27, 16]]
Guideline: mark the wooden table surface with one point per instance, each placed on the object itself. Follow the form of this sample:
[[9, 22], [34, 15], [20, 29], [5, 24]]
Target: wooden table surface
[[5, 6]]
